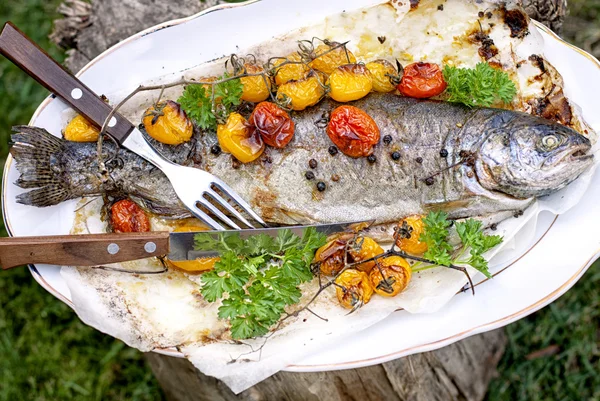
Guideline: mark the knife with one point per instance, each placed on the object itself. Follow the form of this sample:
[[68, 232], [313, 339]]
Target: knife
[[101, 249]]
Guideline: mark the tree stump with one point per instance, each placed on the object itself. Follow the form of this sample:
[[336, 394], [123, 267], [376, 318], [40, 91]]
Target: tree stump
[[461, 371]]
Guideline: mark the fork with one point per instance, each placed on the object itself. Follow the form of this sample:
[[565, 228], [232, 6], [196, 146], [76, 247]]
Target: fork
[[197, 189]]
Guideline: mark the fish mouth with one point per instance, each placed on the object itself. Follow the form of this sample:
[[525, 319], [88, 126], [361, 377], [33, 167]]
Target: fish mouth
[[576, 153]]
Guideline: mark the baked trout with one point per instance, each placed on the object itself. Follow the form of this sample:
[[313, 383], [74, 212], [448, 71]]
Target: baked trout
[[467, 162]]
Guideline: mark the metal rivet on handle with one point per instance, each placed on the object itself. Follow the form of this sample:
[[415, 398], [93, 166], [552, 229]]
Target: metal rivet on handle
[[76, 93], [150, 247], [112, 122], [113, 249]]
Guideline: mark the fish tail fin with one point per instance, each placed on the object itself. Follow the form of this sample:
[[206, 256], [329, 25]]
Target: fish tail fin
[[32, 149]]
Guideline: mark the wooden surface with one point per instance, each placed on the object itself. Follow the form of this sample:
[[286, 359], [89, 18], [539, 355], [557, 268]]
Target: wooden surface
[[80, 250], [461, 371]]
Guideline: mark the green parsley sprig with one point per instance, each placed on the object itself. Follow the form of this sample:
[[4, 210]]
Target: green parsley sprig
[[204, 109], [474, 242], [481, 86], [257, 277]]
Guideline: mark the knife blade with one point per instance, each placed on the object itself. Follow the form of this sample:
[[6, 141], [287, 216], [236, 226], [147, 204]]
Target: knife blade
[[181, 244], [102, 249]]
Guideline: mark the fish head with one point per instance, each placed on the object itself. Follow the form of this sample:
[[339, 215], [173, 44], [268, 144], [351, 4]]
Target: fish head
[[528, 160]]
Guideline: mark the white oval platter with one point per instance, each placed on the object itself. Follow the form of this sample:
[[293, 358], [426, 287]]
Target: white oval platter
[[561, 251]]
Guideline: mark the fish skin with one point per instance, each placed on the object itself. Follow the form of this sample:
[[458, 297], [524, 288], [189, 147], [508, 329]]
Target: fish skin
[[508, 166]]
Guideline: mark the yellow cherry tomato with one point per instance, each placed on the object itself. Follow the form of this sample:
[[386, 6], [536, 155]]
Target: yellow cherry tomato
[[350, 82], [411, 229], [381, 72], [328, 58], [80, 129], [168, 123], [303, 93], [238, 138], [353, 289], [292, 69], [196, 266], [368, 250], [391, 276], [256, 88]]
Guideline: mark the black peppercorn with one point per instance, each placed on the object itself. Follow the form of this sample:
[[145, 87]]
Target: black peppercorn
[[419, 160], [372, 159], [309, 175], [333, 150], [396, 156], [443, 153], [387, 139], [215, 149], [321, 186], [312, 163], [429, 181], [494, 227]]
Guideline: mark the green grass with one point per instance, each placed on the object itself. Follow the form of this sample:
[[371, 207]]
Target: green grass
[[46, 353]]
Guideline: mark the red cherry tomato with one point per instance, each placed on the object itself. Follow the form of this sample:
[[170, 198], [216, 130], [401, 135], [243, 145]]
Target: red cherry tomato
[[273, 124], [422, 80], [128, 217], [353, 131]]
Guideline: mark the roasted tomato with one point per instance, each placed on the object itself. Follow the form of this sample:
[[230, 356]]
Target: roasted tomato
[[408, 240], [303, 93], [391, 276], [328, 58], [168, 123], [353, 289], [350, 82], [331, 255], [209, 88], [196, 266], [80, 129], [237, 137], [273, 124], [256, 88], [368, 250], [383, 73], [353, 131], [127, 217], [422, 80], [293, 70]]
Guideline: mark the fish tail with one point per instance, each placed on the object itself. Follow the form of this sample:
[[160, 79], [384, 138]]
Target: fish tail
[[32, 149]]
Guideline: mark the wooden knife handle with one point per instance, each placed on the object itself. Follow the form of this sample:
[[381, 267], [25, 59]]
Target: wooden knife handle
[[28, 56], [82, 250]]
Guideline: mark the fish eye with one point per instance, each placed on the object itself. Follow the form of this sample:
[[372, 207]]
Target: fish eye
[[550, 142]]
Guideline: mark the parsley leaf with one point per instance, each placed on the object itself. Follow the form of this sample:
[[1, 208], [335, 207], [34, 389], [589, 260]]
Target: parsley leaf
[[481, 86], [257, 277], [196, 101], [471, 236], [228, 275], [436, 237]]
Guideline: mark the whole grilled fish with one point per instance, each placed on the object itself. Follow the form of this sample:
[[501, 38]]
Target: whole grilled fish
[[468, 162]]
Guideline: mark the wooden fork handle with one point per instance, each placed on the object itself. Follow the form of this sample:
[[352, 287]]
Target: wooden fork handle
[[82, 250], [28, 56]]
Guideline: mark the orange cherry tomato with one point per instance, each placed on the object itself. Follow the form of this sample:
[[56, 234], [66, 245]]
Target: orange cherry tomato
[[391, 276], [273, 124], [409, 241], [128, 217], [422, 80], [353, 288], [368, 250], [331, 256], [353, 131]]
